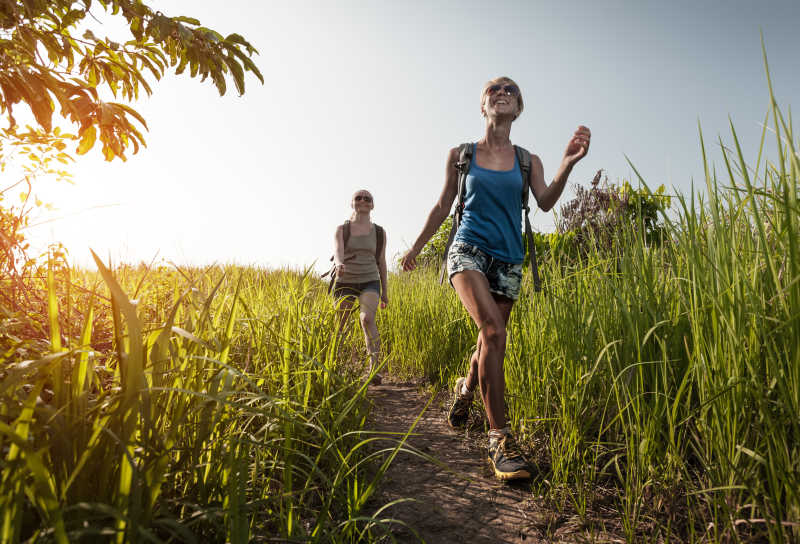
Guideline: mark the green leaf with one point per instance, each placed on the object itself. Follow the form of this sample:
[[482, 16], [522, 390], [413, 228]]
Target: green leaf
[[237, 73], [219, 81], [88, 137], [133, 112], [184, 19]]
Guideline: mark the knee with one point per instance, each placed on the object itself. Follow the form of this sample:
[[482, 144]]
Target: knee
[[367, 320], [494, 334]]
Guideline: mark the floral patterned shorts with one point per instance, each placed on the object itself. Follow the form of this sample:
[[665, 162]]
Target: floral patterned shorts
[[504, 279]]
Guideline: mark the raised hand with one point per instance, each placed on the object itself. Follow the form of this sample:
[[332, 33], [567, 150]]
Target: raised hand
[[578, 145]]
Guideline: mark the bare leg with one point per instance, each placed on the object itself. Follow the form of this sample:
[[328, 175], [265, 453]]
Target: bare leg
[[344, 310], [505, 306], [472, 374], [368, 301], [473, 290]]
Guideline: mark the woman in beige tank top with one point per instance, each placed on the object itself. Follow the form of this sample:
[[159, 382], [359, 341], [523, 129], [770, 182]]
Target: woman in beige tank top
[[359, 275]]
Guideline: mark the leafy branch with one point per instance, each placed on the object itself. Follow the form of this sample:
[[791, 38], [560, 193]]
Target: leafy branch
[[47, 67]]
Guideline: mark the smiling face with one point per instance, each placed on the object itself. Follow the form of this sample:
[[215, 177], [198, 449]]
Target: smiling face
[[362, 201], [501, 96]]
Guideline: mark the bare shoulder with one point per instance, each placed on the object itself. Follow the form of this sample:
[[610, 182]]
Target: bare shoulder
[[535, 160], [452, 160], [536, 175]]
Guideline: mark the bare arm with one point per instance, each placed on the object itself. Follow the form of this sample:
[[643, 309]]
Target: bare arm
[[439, 212], [338, 248], [548, 195]]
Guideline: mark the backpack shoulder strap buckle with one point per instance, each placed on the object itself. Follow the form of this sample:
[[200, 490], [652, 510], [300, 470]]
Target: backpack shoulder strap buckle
[[464, 157]]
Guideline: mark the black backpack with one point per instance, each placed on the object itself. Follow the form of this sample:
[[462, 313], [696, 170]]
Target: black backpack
[[464, 160], [380, 241]]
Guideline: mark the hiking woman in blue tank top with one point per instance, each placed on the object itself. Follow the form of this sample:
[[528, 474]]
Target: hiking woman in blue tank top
[[485, 260]]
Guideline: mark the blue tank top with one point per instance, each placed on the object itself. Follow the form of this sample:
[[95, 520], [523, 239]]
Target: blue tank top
[[492, 219]]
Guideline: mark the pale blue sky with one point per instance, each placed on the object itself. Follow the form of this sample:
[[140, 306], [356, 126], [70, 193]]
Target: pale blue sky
[[373, 94]]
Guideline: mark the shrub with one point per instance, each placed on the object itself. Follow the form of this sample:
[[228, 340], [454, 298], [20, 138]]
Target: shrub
[[598, 215]]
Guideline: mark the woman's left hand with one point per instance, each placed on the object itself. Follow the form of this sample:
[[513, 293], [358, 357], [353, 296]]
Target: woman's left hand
[[578, 145], [384, 301]]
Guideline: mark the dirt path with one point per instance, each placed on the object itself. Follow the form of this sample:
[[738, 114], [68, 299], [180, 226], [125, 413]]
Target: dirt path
[[459, 500]]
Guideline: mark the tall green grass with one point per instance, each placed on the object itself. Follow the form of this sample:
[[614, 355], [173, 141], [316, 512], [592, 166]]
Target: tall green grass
[[670, 372], [223, 412], [218, 405]]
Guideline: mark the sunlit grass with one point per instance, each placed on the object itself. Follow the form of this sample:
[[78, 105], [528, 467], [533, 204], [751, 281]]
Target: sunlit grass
[[222, 412]]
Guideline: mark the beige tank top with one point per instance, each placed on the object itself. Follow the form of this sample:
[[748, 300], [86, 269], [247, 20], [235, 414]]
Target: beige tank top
[[359, 259]]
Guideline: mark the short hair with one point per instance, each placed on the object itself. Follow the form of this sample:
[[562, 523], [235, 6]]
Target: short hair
[[503, 79]]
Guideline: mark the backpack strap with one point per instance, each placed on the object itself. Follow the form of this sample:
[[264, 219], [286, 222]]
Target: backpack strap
[[345, 233], [380, 236], [524, 158], [465, 154], [380, 243]]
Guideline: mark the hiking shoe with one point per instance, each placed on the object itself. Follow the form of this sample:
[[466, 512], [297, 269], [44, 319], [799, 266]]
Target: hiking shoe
[[507, 461], [459, 411]]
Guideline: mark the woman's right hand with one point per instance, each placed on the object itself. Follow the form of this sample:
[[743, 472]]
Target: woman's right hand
[[339, 269], [409, 261]]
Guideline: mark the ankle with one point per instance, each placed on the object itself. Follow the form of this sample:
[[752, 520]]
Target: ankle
[[499, 433]]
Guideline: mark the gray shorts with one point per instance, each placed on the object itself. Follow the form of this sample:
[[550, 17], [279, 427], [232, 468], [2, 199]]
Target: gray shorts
[[354, 290], [504, 279]]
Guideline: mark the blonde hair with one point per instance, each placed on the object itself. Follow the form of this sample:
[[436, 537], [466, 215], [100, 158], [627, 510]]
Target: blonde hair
[[502, 79], [352, 199]]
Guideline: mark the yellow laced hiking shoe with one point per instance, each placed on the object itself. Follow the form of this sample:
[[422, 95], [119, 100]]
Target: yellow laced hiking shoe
[[506, 459]]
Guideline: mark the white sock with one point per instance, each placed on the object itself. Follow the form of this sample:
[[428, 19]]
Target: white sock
[[464, 390]]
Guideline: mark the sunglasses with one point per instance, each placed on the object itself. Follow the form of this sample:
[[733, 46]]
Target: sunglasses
[[508, 89], [359, 198]]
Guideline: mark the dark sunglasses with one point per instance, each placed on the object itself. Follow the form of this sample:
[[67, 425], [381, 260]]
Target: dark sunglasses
[[364, 198], [509, 89]]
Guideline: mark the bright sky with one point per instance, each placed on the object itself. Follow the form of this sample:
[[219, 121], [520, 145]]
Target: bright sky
[[372, 95]]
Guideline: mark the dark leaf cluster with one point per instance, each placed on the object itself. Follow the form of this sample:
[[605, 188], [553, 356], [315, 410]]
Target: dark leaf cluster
[[598, 215]]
